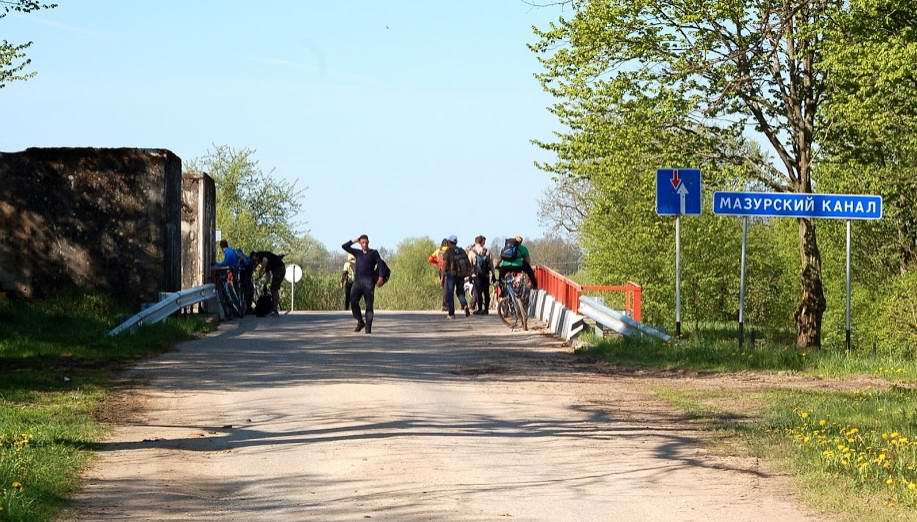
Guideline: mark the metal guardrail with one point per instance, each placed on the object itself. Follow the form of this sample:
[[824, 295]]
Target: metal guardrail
[[171, 303], [617, 321]]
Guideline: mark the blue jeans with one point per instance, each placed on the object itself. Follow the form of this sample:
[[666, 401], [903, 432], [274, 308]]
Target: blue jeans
[[455, 286]]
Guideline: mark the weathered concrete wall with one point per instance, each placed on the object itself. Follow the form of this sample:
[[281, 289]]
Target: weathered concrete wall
[[198, 228], [106, 219]]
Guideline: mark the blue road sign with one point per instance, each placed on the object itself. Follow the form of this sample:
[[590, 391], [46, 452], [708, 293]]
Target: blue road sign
[[785, 204], [678, 192]]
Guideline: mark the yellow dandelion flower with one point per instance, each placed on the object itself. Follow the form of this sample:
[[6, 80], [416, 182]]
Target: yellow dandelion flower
[[823, 422], [912, 486], [18, 486], [890, 482]]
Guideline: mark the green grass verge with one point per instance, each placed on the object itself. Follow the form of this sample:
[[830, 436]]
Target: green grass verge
[[717, 350], [56, 366], [849, 453]]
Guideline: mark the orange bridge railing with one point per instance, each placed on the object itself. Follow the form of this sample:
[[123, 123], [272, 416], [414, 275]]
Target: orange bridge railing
[[568, 292]]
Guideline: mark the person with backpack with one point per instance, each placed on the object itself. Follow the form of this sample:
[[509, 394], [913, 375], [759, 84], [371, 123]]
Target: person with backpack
[[265, 262], [347, 279], [483, 275], [436, 259], [246, 272], [369, 270], [457, 267], [515, 258]]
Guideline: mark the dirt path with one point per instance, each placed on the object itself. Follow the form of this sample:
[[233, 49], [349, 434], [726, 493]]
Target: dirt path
[[297, 418]]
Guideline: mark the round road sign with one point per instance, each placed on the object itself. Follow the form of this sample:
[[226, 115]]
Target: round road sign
[[294, 273]]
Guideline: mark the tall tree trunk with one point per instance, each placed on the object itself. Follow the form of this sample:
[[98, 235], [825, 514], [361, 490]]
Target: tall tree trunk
[[812, 303]]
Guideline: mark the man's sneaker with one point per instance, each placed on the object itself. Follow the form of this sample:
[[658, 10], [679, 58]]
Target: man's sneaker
[[369, 329], [451, 316], [479, 312], [359, 327], [485, 312]]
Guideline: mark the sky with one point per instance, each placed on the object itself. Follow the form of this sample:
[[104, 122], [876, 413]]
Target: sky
[[399, 118]]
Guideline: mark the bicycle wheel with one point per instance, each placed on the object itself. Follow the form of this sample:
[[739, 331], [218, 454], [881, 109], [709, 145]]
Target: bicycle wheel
[[235, 304], [505, 311], [521, 312]]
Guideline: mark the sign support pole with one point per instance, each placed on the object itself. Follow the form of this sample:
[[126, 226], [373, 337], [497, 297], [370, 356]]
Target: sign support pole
[[677, 276], [848, 288], [742, 283], [292, 295]]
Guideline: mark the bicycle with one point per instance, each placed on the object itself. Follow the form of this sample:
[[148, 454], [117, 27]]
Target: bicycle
[[512, 300], [225, 281]]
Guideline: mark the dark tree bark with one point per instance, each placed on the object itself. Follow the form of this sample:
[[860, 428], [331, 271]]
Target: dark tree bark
[[812, 302]]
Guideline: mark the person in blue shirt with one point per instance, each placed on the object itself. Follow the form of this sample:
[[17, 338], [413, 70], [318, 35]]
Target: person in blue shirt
[[230, 258]]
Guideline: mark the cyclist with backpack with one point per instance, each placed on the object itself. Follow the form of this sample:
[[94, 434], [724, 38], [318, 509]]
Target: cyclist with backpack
[[456, 267], [515, 258], [483, 275]]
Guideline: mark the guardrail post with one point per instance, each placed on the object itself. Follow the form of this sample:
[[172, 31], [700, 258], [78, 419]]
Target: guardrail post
[[636, 301]]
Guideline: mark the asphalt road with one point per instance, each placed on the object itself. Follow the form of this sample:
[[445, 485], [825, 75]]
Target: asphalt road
[[298, 418]]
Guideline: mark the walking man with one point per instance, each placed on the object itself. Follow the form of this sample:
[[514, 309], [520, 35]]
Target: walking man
[[366, 275], [457, 268], [483, 275]]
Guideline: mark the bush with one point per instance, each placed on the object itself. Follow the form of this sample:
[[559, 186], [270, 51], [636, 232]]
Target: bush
[[314, 292], [414, 284], [897, 330]]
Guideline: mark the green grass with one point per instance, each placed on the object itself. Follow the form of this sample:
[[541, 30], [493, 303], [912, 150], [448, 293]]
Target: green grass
[[792, 429], [56, 366], [716, 349]]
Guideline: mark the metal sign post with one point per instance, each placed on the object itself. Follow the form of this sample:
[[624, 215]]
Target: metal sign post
[[742, 283], [293, 275], [792, 205], [678, 193], [848, 289], [678, 276]]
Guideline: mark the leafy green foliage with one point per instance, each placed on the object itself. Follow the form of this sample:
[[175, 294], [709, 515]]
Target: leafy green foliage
[[414, 284], [315, 291], [641, 85], [13, 59], [255, 209]]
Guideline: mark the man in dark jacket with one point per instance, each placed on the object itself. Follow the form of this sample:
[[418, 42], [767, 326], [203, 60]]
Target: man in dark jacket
[[455, 281], [369, 270]]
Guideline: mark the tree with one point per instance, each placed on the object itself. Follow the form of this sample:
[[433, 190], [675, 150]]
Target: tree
[[13, 59], [556, 252], [869, 121], [705, 70], [255, 209], [565, 205]]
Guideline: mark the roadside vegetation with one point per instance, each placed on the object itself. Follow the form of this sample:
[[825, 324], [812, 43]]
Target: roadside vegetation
[[849, 452], [644, 85], [715, 348], [56, 365]]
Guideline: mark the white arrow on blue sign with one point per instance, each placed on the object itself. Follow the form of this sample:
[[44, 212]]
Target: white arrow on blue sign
[[678, 192]]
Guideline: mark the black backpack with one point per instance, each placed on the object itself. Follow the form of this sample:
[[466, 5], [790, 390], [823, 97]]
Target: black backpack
[[482, 263], [265, 303], [510, 250], [461, 264]]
